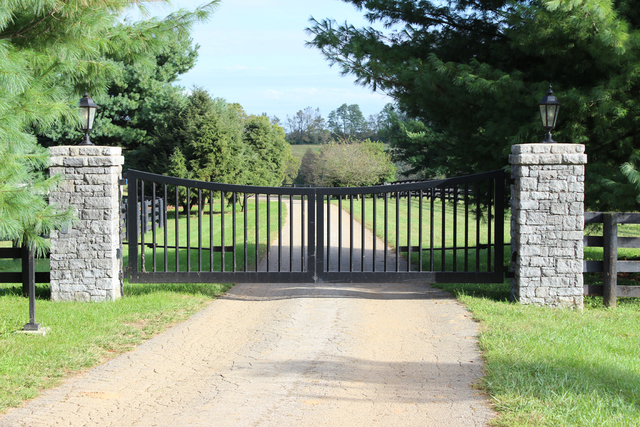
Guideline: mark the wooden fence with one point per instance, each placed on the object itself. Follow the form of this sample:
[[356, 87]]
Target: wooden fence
[[610, 265], [28, 269]]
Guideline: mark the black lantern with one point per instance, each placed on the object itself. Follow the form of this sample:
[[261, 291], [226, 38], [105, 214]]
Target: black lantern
[[88, 110], [549, 108]]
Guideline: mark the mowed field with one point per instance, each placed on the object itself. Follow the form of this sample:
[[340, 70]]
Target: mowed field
[[299, 150]]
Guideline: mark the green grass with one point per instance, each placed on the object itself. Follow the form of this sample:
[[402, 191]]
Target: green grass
[[406, 235], [557, 367], [298, 150], [214, 238]]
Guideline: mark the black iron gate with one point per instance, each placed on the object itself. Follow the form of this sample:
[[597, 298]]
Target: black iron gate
[[448, 230]]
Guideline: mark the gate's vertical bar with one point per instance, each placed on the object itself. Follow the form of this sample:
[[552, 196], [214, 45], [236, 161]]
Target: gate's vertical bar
[[409, 230], [290, 232], [362, 231], [499, 224], [222, 239], [386, 229], [153, 226], [466, 227], [188, 211], [177, 228], [443, 198], [397, 231], [432, 213], [319, 232], [489, 219], [268, 232], [143, 227], [420, 196], [375, 229], [166, 226], [340, 232], [199, 229], [245, 208], [279, 232], [133, 214], [314, 230], [328, 232], [303, 249], [351, 233], [257, 230], [455, 227], [234, 231], [210, 230], [477, 226]]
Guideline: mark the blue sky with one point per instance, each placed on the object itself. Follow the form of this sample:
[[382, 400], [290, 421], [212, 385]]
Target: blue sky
[[253, 52]]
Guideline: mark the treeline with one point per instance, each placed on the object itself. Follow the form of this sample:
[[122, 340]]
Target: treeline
[[345, 122]]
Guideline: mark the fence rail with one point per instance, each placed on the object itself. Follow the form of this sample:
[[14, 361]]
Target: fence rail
[[28, 264], [610, 265]]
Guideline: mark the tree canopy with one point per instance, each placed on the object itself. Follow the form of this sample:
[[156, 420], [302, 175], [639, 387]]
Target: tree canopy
[[51, 51], [473, 71], [347, 164]]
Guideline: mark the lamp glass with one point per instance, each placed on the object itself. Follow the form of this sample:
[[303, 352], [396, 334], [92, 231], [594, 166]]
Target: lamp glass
[[88, 116], [549, 115]]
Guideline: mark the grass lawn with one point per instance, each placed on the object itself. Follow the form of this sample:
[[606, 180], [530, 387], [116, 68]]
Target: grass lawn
[[400, 232], [298, 150], [556, 367], [256, 246]]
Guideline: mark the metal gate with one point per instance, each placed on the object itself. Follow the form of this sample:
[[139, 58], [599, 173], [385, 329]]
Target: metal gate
[[448, 230]]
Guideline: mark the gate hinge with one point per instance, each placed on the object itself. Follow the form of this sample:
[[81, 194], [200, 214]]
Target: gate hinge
[[508, 273]]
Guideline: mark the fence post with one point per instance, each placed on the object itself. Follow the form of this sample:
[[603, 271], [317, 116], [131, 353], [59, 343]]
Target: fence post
[[29, 283], [85, 262], [547, 223], [610, 259]]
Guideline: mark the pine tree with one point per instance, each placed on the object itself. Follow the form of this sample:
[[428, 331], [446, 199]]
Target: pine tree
[[51, 51], [473, 72]]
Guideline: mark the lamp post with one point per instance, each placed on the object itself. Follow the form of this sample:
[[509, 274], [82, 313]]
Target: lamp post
[[549, 108], [88, 110]]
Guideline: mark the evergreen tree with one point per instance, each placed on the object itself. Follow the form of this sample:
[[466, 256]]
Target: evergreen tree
[[473, 72], [267, 152], [51, 51]]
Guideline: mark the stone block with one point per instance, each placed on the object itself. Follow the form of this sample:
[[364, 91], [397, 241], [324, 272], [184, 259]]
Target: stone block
[[92, 150], [62, 151], [111, 151], [574, 159], [106, 161], [74, 161]]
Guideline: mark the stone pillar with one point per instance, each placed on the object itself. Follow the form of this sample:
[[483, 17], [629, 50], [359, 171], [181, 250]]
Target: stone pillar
[[85, 261], [547, 223]]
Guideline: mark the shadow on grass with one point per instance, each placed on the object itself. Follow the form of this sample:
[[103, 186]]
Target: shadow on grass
[[493, 291], [43, 291], [212, 290]]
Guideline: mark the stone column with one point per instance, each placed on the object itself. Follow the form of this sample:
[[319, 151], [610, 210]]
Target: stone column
[[85, 261], [547, 223]]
